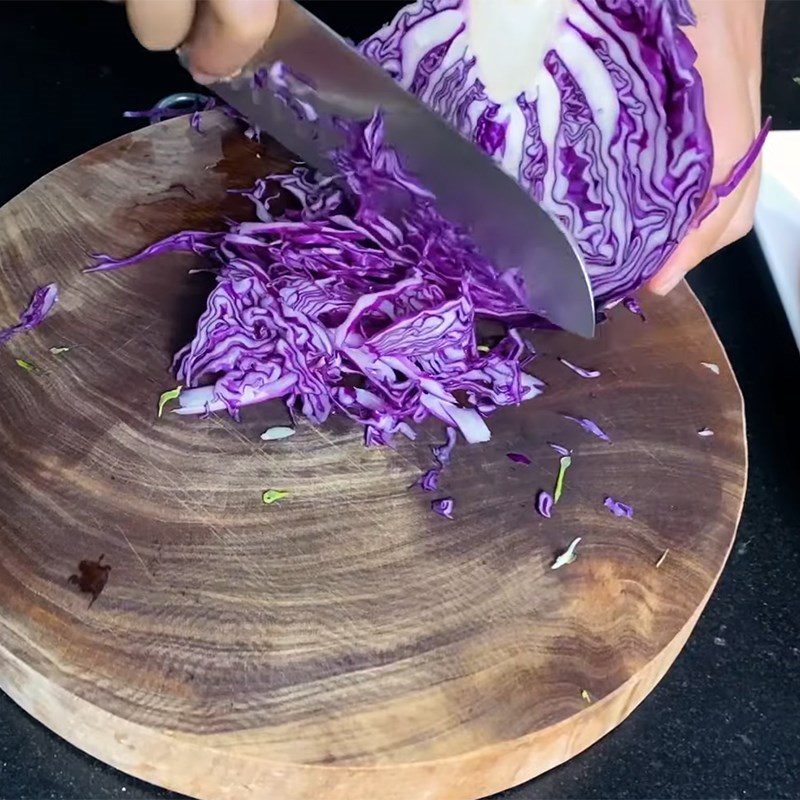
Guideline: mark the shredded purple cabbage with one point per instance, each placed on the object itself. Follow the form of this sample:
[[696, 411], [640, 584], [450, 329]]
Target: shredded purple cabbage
[[617, 508], [584, 373], [560, 449], [544, 503], [159, 113], [195, 113], [632, 304], [429, 482], [335, 308], [40, 305], [444, 507], [589, 426], [735, 177], [192, 110], [200, 243], [519, 458], [442, 452]]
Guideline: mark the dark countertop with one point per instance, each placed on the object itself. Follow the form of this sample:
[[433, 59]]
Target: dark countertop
[[724, 722]]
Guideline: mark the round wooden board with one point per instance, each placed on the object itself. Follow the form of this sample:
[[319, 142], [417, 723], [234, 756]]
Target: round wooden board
[[346, 643]]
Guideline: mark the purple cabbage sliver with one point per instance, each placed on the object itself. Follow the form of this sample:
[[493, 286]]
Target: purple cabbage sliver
[[617, 508], [584, 373], [200, 243], [40, 305], [735, 176], [442, 452], [544, 503], [632, 304], [190, 108], [518, 458], [443, 506], [589, 426], [429, 482]]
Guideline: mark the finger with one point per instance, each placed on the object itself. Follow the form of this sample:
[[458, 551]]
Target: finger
[[160, 24], [226, 34], [731, 220], [690, 252]]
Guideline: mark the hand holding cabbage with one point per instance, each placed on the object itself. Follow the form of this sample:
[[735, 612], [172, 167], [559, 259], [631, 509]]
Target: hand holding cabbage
[[728, 43], [220, 36]]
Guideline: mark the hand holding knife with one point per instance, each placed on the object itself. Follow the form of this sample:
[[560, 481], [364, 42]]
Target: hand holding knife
[[506, 224]]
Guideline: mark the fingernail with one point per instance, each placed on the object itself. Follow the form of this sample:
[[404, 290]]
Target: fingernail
[[203, 79], [664, 284]]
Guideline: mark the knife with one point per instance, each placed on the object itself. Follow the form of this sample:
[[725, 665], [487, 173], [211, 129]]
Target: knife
[[508, 227]]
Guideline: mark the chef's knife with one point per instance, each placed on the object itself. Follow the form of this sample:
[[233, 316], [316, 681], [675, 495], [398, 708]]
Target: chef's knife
[[508, 227]]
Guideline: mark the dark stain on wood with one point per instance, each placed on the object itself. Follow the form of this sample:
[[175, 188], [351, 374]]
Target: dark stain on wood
[[91, 578]]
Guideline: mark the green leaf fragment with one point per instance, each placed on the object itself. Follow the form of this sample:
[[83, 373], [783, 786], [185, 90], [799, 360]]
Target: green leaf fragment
[[26, 365], [57, 351], [568, 556], [277, 433], [272, 496], [170, 394], [564, 465], [482, 348], [797, 81], [587, 698]]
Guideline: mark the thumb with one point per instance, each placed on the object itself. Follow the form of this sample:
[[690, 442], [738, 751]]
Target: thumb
[[226, 34], [690, 252], [732, 219]]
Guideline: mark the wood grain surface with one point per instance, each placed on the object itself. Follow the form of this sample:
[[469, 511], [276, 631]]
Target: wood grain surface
[[345, 643]]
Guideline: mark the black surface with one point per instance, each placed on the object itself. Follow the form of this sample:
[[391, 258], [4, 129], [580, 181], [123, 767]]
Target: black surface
[[725, 722]]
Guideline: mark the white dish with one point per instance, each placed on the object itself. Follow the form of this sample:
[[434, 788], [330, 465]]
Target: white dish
[[778, 219]]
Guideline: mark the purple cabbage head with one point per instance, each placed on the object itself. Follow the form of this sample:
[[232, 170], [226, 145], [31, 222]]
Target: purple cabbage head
[[606, 126]]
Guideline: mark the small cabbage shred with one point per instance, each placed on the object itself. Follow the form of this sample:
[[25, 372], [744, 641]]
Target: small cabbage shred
[[617, 508], [333, 307], [443, 507], [544, 503], [39, 306], [430, 480]]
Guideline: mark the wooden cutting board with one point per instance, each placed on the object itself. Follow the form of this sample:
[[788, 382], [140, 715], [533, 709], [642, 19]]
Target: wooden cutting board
[[346, 643]]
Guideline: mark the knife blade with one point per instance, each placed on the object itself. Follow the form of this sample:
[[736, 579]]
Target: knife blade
[[508, 227]]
